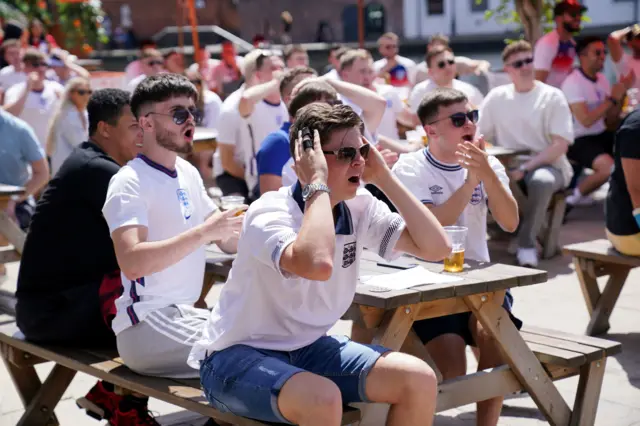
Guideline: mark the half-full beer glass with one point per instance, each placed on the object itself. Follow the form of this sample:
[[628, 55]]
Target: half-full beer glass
[[455, 261]]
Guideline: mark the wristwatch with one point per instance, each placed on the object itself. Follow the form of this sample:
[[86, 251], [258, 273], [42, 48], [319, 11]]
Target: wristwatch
[[312, 188]]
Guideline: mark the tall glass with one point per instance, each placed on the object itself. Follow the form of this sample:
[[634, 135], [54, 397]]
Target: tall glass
[[455, 261], [229, 202]]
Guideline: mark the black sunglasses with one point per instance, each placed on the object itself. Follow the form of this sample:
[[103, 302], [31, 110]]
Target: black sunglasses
[[39, 65], [574, 15], [443, 64], [522, 62], [83, 92], [155, 62], [181, 115], [348, 153], [459, 119], [600, 52]]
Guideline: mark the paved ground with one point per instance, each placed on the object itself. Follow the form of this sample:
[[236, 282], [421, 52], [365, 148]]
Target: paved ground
[[556, 304]]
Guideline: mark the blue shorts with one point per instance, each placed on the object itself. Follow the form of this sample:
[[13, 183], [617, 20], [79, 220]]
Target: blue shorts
[[246, 381]]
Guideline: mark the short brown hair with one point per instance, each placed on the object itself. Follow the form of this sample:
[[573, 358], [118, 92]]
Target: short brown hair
[[291, 49], [439, 37], [347, 60], [291, 75], [341, 51], [389, 35], [432, 53], [33, 56], [515, 47], [431, 103], [324, 118], [314, 91], [150, 53]]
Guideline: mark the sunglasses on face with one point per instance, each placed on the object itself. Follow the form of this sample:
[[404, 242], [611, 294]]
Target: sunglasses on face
[[446, 62], [600, 52], [522, 62], [574, 15], [83, 92], [181, 115], [459, 119], [155, 62], [40, 65], [390, 46], [348, 154]]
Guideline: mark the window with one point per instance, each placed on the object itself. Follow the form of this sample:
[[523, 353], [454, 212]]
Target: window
[[479, 5], [435, 7]]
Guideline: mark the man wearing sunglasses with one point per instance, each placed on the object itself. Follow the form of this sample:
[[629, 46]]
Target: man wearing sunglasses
[[442, 73], [151, 63], [396, 70], [457, 181], [160, 217], [555, 52], [594, 104], [34, 100], [625, 63], [533, 116], [296, 272]]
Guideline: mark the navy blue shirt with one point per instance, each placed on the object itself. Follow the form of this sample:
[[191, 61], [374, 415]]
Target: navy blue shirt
[[274, 152]]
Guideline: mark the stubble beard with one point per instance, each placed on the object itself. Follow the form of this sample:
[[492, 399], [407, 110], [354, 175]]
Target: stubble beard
[[166, 139]]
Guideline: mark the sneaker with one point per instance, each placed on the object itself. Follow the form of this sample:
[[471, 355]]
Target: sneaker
[[527, 257], [139, 416], [99, 403], [580, 200]]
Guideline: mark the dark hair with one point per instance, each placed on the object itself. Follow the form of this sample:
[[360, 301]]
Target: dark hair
[[584, 42], [292, 75], [291, 49], [13, 30], [566, 5], [516, 47], [106, 105], [33, 55], [160, 88], [432, 53], [7, 44], [431, 103], [311, 92], [324, 118]]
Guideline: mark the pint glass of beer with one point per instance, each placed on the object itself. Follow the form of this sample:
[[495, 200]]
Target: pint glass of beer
[[455, 261], [229, 202]]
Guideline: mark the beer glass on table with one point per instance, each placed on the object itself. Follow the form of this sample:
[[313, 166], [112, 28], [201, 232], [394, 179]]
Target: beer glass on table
[[455, 261]]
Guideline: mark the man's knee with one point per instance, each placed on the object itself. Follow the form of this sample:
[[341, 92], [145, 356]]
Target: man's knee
[[448, 352], [542, 182], [603, 164], [310, 399]]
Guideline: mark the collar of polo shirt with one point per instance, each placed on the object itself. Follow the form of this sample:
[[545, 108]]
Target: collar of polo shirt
[[344, 223]]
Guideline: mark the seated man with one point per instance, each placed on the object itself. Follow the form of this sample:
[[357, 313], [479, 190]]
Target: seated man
[[296, 274], [160, 217], [456, 180], [622, 207], [543, 111], [68, 252], [592, 100]]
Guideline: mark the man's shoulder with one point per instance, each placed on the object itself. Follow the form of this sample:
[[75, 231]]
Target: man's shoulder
[[411, 163], [12, 123], [211, 97], [548, 40], [86, 162], [275, 140], [18, 87], [279, 205], [405, 61], [464, 86]]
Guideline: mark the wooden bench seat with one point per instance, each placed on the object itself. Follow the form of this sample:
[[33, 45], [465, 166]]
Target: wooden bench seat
[[40, 399], [593, 259]]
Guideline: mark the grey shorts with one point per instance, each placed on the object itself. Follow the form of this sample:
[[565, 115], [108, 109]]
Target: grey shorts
[[160, 344]]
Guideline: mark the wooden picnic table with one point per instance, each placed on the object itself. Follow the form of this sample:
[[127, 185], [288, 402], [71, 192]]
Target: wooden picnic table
[[204, 140], [502, 153], [10, 232]]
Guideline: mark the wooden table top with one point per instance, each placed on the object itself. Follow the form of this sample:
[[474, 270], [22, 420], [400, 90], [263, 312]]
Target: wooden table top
[[477, 278], [500, 151], [203, 134], [9, 190]]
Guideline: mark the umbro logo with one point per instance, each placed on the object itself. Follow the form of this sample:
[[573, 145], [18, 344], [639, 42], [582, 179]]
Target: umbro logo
[[435, 190]]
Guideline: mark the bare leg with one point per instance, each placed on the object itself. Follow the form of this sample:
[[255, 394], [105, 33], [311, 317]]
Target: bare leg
[[408, 384], [448, 352], [601, 171], [488, 412], [307, 399]]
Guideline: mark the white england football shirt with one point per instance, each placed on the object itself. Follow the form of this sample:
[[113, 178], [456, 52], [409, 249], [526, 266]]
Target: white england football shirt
[[168, 203], [434, 182], [389, 124], [265, 307], [555, 56], [580, 88]]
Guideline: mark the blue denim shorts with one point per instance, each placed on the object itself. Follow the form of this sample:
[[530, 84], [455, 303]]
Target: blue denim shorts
[[246, 381]]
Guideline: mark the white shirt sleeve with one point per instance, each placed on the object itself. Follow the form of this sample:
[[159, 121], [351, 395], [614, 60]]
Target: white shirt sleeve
[[13, 93], [125, 205], [228, 125], [499, 170], [289, 176], [417, 93], [486, 126], [543, 54], [572, 91], [559, 117], [406, 172], [383, 229], [269, 232]]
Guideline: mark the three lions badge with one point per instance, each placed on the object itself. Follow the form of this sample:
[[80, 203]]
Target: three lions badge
[[348, 254]]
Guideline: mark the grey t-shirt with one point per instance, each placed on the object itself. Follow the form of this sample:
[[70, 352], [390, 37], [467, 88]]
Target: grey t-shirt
[[18, 149]]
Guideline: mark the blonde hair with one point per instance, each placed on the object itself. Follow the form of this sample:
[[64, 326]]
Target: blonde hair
[[250, 62], [64, 103], [347, 60]]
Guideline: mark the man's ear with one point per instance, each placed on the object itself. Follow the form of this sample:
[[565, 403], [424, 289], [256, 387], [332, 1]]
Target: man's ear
[[103, 129], [430, 130]]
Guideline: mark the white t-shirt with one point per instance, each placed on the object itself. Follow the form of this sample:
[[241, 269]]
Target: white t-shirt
[[527, 120], [627, 64], [332, 75], [557, 57], [389, 125], [422, 89], [167, 203], [212, 107], [579, 88], [70, 131], [434, 182], [289, 176], [232, 129], [263, 306], [264, 119], [402, 74], [39, 106], [131, 86], [9, 76]]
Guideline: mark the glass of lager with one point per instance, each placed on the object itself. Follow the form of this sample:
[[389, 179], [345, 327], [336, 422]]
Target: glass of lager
[[229, 202], [458, 236]]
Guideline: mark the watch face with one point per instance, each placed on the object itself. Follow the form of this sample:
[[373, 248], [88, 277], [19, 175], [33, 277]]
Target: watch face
[[305, 191]]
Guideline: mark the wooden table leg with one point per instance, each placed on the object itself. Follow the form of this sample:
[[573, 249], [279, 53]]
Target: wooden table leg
[[599, 322], [522, 361], [588, 395], [588, 284], [40, 409], [395, 327]]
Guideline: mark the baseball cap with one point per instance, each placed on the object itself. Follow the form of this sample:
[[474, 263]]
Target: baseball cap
[[567, 5]]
